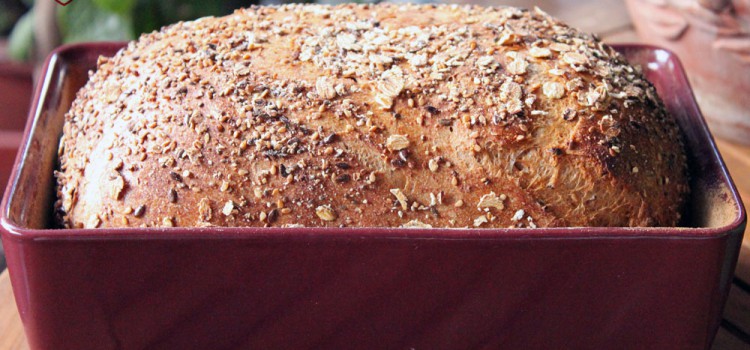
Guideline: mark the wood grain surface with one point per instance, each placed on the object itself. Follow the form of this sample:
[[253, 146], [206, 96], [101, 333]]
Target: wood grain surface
[[11, 329], [608, 18]]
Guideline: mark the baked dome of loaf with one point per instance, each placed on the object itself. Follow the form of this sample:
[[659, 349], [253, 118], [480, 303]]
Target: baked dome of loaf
[[370, 115]]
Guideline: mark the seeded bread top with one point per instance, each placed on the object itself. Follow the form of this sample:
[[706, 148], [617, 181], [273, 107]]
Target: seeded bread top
[[370, 115]]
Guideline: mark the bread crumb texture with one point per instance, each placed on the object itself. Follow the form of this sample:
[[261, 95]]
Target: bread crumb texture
[[369, 115]]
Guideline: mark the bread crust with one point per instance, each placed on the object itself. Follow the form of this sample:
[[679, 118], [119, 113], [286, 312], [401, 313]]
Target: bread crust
[[370, 115]]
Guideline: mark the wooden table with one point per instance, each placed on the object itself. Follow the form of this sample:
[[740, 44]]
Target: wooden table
[[11, 330], [735, 330], [610, 20]]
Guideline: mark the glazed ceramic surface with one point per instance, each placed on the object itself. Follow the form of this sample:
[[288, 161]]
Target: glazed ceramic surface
[[199, 288]]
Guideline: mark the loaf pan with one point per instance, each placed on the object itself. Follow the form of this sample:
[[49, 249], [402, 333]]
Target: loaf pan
[[382, 288]]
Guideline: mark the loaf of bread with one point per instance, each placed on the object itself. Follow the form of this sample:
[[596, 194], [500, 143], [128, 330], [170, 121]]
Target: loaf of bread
[[370, 115]]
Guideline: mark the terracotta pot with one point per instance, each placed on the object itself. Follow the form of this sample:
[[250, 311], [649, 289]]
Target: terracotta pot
[[712, 39]]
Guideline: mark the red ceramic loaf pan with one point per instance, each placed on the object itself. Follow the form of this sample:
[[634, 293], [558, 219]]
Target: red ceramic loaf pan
[[379, 288]]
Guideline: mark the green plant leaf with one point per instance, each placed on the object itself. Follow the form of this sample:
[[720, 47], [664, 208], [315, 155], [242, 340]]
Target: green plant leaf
[[83, 20], [22, 38], [183, 10], [121, 7], [149, 18], [154, 14]]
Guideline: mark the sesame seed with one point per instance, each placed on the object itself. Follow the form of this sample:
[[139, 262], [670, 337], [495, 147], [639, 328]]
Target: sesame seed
[[325, 213], [172, 195], [433, 165], [139, 211]]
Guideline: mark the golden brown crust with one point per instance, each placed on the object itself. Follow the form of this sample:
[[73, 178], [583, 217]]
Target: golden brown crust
[[370, 115]]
